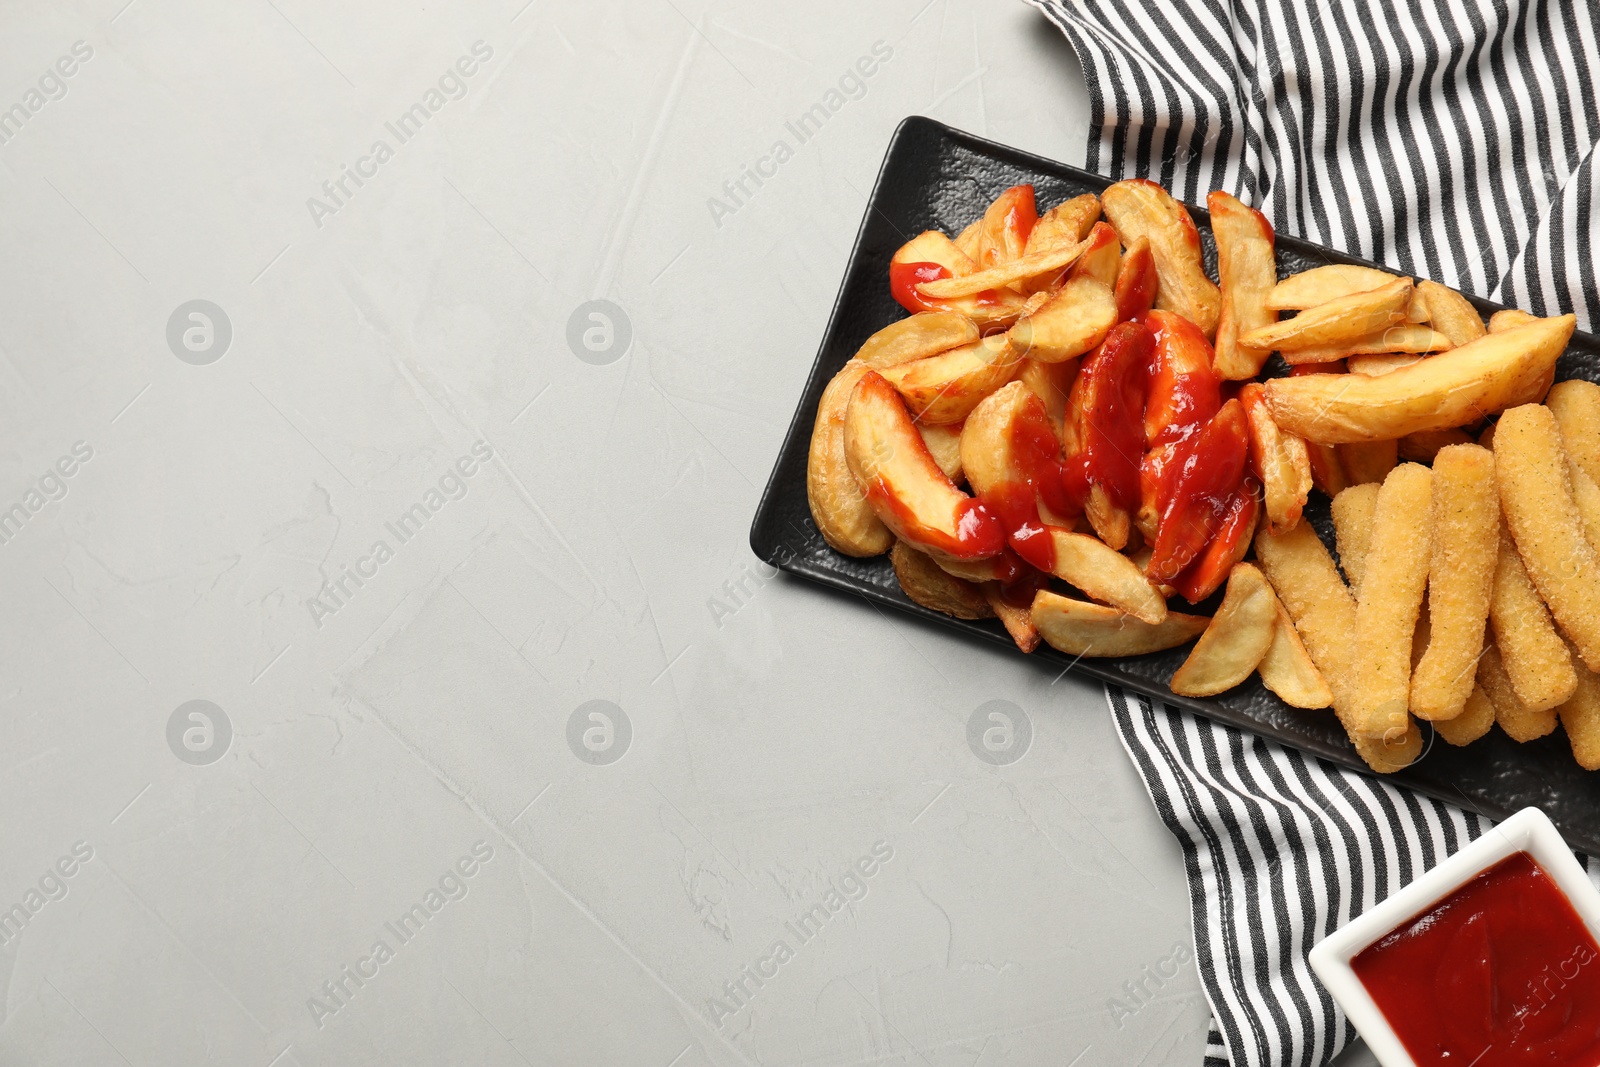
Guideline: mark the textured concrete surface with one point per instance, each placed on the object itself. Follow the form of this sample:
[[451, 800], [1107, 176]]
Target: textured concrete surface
[[386, 678]]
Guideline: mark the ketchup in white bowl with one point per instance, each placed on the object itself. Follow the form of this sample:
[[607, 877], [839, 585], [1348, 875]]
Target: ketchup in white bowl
[[1501, 973]]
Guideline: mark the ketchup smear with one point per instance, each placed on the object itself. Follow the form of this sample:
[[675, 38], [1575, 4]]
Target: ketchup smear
[[1036, 455], [1501, 973], [904, 279]]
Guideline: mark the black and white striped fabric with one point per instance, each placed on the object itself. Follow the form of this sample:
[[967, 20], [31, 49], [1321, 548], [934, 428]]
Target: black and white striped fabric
[[1449, 139]]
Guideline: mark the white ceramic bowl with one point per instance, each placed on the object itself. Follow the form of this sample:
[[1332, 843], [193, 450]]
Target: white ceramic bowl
[[1529, 830]]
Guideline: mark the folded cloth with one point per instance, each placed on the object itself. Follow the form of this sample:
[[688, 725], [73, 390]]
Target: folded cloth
[[1448, 139]]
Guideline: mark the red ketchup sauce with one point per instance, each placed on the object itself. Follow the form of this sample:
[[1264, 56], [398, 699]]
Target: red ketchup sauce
[[904, 279], [1500, 973], [1036, 456]]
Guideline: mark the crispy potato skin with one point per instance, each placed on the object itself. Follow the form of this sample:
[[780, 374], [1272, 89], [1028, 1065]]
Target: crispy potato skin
[[1451, 313], [1141, 208], [1376, 353], [1394, 577], [1341, 321], [1080, 628], [1303, 575], [1322, 284], [1280, 460], [924, 582], [1017, 620], [1248, 268], [1543, 518], [1466, 546], [1288, 670], [1439, 393], [1235, 641], [1106, 575], [838, 506], [917, 337]]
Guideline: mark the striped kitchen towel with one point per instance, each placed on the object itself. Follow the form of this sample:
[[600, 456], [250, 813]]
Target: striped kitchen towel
[[1449, 139]]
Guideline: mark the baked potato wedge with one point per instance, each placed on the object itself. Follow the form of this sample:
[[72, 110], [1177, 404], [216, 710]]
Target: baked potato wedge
[[944, 389], [1073, 321], [903, 484], [1248, 268], [1080, 628], [1480, 378], [917, 337], [838, 506], [1139, 208], [927, 584]]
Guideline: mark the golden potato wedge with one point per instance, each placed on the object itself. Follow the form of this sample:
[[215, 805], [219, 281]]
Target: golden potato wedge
[[1139, 208], [1576, 406], [1105, 575], [1475, 720], [1319, 285], [1065, 224], [1080, 628], [1422, 447], [1324, 614], [1102, 258], [1580, 717], [917, 337], [927, 584], [1471, 382], [1338, 322], [1004, 229], [1466, 546], [1382, 363], [1368, 461], [1534, 655], [1287, 668], [944, 445], [1247, 267], [1376, 352], [1327, 469], [1352, 528], [1051, 383], [1509, 318], [943, 389], [1032, 265], [838, 506], [1451, 313], [904, 486], [1520, 722], [1393, 579], [1070, 323], [1543, 519], [1236, 639], [1016, 618], [1278, 459]]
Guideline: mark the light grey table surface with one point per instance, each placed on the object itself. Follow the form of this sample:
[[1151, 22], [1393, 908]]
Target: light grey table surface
[[375, 841]]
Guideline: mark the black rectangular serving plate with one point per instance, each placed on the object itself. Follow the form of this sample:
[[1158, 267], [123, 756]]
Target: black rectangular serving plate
[[936, 177]]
